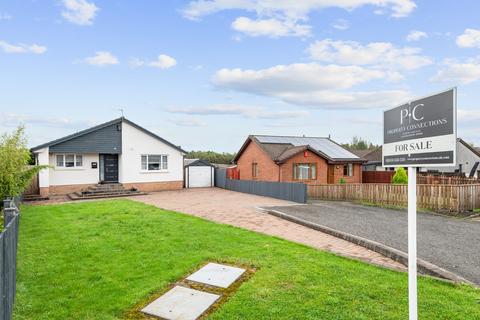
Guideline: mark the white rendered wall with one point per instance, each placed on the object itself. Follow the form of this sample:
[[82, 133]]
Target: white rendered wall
[[44, 175], [69, 176], [134, 144]]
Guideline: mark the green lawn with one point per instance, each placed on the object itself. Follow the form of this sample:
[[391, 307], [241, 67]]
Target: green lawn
[[97, 260]]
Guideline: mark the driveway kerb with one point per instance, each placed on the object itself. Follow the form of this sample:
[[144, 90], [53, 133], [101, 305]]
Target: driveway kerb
[[423, 266]]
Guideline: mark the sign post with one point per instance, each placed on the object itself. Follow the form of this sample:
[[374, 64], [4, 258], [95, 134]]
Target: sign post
[[420, 133]]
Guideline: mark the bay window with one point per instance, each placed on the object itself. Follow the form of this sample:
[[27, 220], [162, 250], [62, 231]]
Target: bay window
[[304, 171]]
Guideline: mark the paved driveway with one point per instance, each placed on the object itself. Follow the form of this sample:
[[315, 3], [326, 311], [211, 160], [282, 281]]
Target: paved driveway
[[240, 210], [450, 243]]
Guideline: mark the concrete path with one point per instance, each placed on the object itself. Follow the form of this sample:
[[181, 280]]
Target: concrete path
[[449, 243], [241, 210]]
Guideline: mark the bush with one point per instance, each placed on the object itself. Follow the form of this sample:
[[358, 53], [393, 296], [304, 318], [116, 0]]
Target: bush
[[15, 174], [400, 176], [342, 181]]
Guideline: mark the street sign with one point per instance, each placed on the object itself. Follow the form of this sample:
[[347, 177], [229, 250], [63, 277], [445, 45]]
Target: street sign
[[422, 132]]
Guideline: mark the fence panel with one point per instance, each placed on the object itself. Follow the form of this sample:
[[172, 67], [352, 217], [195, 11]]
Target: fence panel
[[377, 176], [8, 260], [296, 192], [454, 198], [220, 177]]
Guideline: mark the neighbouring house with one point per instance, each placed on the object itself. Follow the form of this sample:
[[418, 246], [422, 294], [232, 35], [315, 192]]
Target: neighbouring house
[[373, 159], [468, 162], [118, 151], [199, 173], [297, 159]]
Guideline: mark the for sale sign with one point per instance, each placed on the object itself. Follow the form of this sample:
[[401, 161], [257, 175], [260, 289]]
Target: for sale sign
[[422, 132]]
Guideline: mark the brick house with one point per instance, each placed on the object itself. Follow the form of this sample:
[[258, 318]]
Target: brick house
[[297, 159]]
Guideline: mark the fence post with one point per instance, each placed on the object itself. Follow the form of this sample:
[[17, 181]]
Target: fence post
[[9, 211]]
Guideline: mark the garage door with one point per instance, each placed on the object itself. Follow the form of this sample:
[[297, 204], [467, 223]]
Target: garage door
[[199, 177]]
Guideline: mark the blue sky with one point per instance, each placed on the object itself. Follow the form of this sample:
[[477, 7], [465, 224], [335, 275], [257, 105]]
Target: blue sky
[[205, 74]]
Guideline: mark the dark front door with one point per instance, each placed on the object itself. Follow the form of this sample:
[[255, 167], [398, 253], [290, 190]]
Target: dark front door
[[110, 168]]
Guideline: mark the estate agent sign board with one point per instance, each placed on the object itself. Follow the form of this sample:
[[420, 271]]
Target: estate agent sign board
[[421, 132]]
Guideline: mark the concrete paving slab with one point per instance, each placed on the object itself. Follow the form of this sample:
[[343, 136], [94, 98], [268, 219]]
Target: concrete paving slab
[[217, 275], [181, 303]]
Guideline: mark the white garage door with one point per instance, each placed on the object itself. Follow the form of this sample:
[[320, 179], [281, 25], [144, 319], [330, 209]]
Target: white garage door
[[199, 177]]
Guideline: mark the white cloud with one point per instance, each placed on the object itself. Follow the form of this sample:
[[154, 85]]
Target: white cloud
[[341, 24], [272, 27], [79, 12], [466, 115], [5, 16], [13, 120], [297, 10], [416, 35], [252, 112], [469, 39], [458, 72], [311, 84], [375, 53], [102, 58], [163, 61], [298, 77], [190, 122], [22, 48]]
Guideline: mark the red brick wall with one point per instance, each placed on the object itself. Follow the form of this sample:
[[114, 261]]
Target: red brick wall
[[267, 169], [357, 174], [287, 168]]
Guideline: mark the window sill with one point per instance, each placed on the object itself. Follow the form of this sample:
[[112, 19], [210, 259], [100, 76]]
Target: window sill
[[69, 169], [154, 171]]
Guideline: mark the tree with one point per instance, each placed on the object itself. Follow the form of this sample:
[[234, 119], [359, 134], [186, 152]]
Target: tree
[[400, 176], [359, 144], [15, 172], [211, 156]]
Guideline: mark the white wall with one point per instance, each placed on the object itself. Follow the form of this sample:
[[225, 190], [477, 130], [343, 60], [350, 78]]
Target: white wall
[[68, 176], [134, 144], [44, 175]]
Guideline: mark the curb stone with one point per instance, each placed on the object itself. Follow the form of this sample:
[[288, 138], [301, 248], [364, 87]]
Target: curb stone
[[423, 266]]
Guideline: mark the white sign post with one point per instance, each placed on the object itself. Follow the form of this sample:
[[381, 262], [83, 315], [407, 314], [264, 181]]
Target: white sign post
[[420, 133]]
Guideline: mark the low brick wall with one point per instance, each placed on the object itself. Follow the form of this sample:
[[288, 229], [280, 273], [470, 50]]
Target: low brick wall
[[155, 186]]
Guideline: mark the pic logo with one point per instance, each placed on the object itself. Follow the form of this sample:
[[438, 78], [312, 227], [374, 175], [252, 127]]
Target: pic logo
[[411, 113]]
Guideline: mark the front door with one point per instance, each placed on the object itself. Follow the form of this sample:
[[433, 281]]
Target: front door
[[110, 168], [331, 174]]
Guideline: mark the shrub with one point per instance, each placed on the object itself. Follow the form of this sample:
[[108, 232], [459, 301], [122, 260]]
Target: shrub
[[15, 174], [342, 180], [400, 176]]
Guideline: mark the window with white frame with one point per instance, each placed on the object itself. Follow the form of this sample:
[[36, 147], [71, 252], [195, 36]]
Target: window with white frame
[[154, 162], [69, 161], [348, 169]]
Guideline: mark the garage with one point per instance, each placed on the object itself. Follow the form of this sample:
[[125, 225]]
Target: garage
[[199, 174]]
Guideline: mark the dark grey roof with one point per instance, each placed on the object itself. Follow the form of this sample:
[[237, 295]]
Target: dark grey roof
[[198, 163], [102, 126]]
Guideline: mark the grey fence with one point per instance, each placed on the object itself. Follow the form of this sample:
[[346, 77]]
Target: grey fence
[[296, 192], [8, 258]]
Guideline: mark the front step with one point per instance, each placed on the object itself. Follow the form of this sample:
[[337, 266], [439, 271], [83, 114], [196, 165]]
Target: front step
[[33, 197], [104, 191]]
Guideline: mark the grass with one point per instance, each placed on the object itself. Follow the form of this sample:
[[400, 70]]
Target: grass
[[101, 260]]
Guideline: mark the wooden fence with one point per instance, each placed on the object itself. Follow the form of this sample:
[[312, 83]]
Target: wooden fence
[[439, 179], [8, 259], [377, 176], [453, 198]]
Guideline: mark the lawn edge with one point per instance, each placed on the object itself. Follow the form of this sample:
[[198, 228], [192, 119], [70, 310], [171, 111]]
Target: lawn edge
[[423, 266]]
